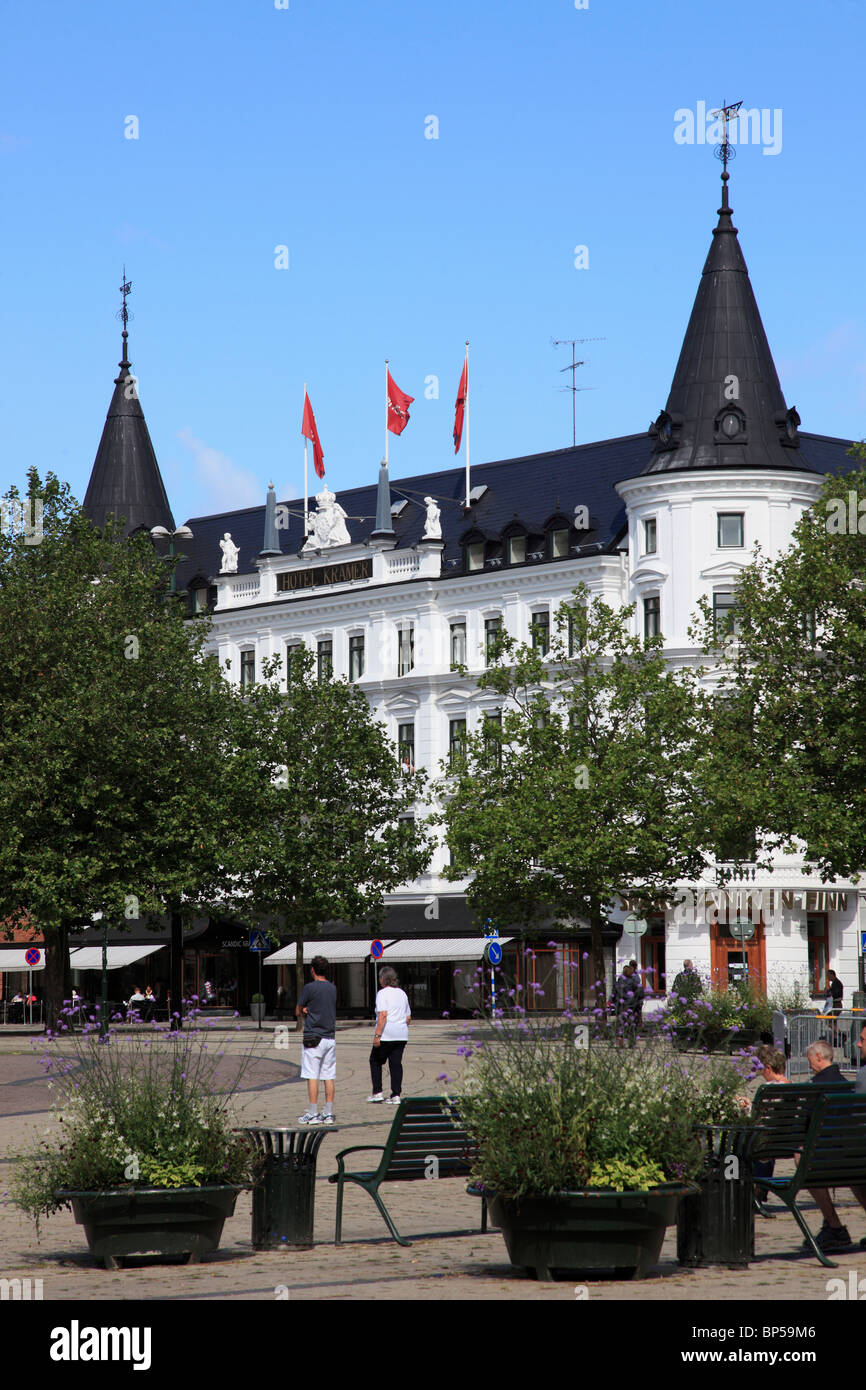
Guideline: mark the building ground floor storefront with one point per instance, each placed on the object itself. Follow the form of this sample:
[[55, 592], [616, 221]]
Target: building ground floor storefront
[[795, 935]]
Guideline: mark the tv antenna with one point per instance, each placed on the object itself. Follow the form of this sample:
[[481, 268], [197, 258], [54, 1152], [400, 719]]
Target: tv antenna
[[572, 367]]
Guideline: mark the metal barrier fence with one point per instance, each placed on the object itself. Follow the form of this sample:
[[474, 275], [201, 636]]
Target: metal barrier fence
[[841, 1031]]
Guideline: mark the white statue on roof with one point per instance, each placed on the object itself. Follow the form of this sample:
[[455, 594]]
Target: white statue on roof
[[230, 554], [432, 524], [327, 525]]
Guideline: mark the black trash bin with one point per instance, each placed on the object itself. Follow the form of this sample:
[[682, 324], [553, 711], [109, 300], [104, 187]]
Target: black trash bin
[[284, 1195], [717, 1225]]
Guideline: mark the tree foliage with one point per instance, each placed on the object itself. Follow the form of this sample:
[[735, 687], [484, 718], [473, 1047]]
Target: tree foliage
[[585, 789]]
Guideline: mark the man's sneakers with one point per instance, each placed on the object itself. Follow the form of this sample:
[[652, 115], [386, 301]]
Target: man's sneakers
[[310, 1117], [830, 1238], [393, 1100], [377, 1099], [326, 1118]]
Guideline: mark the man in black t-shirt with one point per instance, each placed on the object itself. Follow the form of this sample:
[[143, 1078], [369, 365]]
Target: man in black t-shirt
[[317, 1007], [832, 1235]]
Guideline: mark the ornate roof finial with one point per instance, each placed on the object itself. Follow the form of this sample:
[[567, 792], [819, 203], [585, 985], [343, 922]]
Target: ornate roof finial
[[124, 315], [726, 151]]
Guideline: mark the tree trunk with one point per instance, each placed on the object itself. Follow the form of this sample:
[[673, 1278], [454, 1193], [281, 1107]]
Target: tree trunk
[[58, 976]]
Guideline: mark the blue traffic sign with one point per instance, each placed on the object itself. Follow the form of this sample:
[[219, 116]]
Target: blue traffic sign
[[33, 956], [258, 940], [493, 952], [377, 950], [863, 943]]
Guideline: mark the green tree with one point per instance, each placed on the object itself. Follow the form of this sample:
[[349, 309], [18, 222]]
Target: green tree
[[583, 789], [337, 829], [127, 778], [791, 750]]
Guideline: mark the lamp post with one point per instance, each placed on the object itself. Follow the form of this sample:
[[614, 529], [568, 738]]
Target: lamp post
[[175, 1010]]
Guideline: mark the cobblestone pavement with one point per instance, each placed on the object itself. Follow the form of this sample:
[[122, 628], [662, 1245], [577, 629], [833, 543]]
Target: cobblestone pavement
[[439, 1265]]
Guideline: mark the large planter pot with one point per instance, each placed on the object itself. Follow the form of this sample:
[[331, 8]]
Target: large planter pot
[[257, 1012], [598, 1233], [153, 1220]]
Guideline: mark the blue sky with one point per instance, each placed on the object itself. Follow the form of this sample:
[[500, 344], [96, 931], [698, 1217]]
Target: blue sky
[[305, 127]]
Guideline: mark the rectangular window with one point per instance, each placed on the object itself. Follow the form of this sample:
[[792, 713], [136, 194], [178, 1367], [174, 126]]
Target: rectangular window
[[540, 631], [405, 650], [248, 669], [492, 629], [516, 550], [293, 650], [492, 729], [807, 629], [356, 658], [725, 622], [200, 600], [406, 747], [559, 544], [456, 740], [652, 622], [730, 530], [325, 659], [475, 556], [458, 644], [649, 536]]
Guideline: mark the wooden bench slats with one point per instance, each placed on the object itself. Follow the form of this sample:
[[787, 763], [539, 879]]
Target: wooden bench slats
[[424, 1128]]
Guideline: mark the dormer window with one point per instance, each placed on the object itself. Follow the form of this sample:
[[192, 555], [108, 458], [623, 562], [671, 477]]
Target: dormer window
[[730, 426], [558, 543], [515, 550], [474, 552]]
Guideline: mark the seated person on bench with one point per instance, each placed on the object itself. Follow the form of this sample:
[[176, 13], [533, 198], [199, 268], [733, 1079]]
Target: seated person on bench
[[833, 1235]]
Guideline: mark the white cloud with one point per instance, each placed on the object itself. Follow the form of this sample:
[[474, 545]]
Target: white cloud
[[221, 485]]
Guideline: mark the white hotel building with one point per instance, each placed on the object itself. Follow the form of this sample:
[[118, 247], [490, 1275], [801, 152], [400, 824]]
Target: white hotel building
[[657, 519]]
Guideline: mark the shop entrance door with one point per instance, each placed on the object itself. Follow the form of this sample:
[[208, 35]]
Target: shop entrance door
[[733, 961]]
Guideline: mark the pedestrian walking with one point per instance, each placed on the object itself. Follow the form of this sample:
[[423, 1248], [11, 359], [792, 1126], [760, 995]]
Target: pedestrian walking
[[391, 1036], [317, 1007]]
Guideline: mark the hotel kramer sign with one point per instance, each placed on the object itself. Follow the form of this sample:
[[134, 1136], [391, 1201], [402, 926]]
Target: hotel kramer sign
[[292, 581]]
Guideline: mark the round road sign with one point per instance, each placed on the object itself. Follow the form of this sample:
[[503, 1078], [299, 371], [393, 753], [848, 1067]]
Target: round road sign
[[32, 956], [493, 952], [377, 950]]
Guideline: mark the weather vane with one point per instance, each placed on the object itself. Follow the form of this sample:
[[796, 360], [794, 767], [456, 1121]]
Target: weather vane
[[725, 150], [123, 313]]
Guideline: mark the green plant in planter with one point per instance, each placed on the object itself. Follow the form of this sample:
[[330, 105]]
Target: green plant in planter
[[146, 1111], [257, 999], [550, 1117]]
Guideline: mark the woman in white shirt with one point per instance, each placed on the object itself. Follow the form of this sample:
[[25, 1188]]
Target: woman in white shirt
[[392, 1034]]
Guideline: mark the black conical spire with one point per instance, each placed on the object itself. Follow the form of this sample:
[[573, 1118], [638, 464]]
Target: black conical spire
[[125, 480], [725, 408]]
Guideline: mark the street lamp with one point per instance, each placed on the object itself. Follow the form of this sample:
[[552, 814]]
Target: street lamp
[[160, 533]]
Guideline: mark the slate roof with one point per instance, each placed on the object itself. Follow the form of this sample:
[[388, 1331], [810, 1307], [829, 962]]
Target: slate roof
[[725, 408], [125, 479], [535, 487]]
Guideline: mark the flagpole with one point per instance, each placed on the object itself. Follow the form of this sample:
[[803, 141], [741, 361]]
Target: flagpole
[[466, 412], [306, 489], [386, 412]]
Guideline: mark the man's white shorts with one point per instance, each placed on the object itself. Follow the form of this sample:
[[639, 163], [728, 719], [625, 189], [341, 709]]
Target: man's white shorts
[[320, 1062]]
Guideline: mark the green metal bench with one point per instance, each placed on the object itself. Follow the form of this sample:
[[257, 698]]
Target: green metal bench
[[427, 1140], [824, 1128]]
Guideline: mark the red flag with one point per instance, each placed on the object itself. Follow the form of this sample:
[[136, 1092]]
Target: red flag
[[461, 406], [398, 407], [308, 429]]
